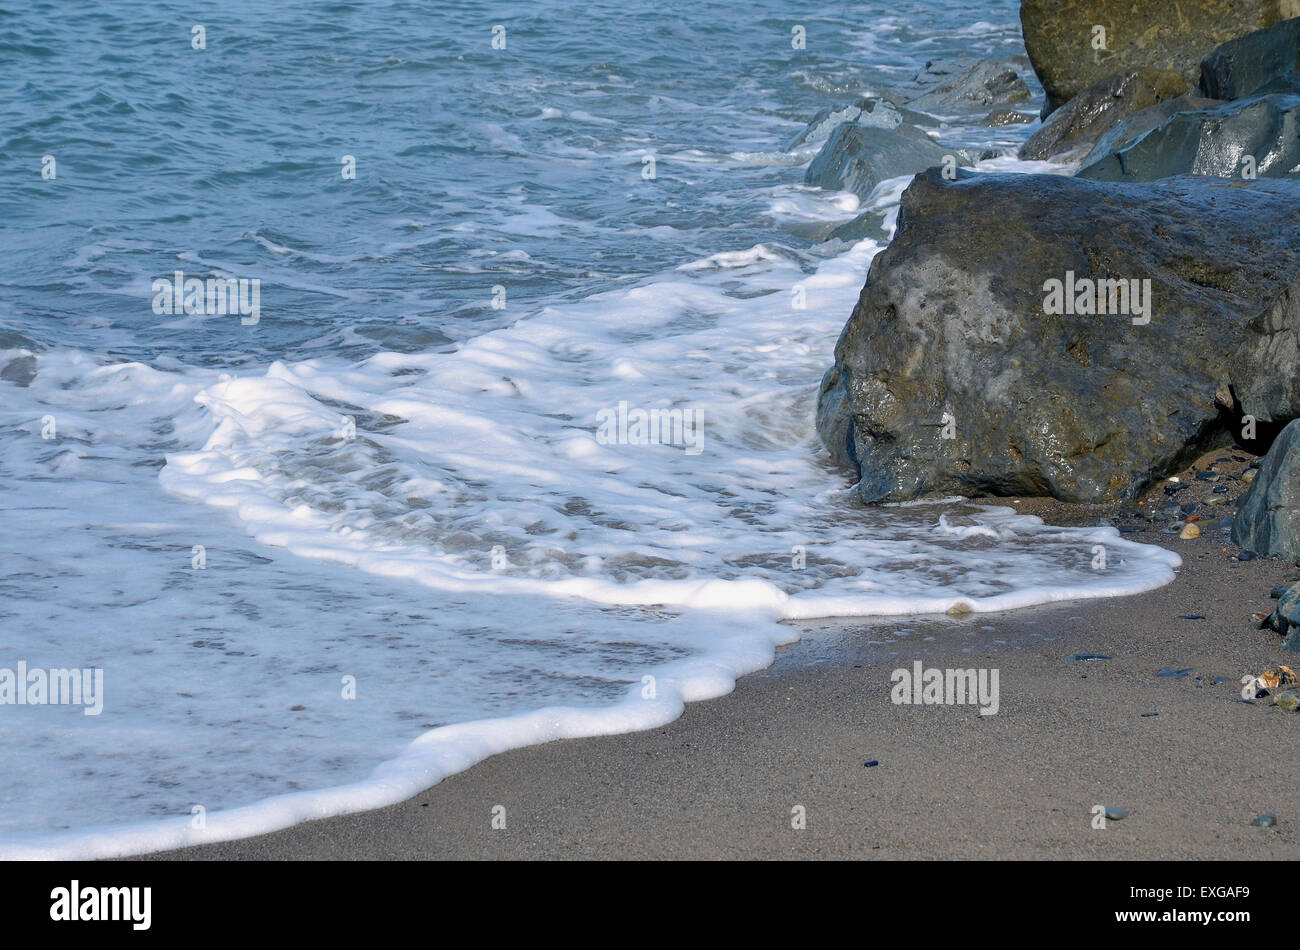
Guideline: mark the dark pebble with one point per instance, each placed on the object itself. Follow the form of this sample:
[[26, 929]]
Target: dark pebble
[[1220, 489], [1191, 616], [1129, 528], [1207, 476], [1088, 656], [870, 764], [1149, 715], [1176, 674], [1190, 507], [1246, 555]]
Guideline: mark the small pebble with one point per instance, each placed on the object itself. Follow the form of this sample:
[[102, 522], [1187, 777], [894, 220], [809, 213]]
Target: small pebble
[[872, 763], [1115, 814], [1149, 715], [1191, 616], [1176, 674], [1245, 555], [1288, 699], [1220, 489], [1265, 820], [1088, 656], [1189, 531], [1248, 475]]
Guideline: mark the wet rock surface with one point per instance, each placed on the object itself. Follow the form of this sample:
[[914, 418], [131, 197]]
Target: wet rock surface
[[1069, 54], [950, 378]]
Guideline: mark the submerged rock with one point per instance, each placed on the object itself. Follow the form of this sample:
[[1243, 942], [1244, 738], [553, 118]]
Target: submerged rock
[[869, 224], [1255, 137], [950, 377], [1266, 60], [856, 158], [1268, 517], [1069, 53], [1077, 127]]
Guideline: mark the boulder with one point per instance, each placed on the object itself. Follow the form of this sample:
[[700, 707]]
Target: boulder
[[956, 374], [979, 86], [1068, 55], [1073, 130], [1263, 61], [1268, 518], [1205, 138], [856, 158], [872, 111]]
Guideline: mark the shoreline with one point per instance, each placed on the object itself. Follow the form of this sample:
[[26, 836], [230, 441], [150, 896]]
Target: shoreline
[[720, 781]]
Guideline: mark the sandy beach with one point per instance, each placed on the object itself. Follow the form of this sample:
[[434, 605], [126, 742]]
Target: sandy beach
[[722, 781]]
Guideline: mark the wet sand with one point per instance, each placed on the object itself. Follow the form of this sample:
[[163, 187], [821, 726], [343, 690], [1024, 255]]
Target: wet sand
[[724, 779]]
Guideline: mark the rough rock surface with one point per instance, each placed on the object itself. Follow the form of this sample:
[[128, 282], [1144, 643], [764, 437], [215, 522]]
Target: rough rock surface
[[1059, 37], [999, 118], [1268, 520], [1079, 125], [950, 337], [984, 84], [1260, 134]]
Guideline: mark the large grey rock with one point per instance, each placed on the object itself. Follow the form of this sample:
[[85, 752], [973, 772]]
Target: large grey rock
[[1263, 61], [1072, 131], [1268, 518], [872, 111], [1088, 408], [1210, 139], [1059, 37], [856, 158], [982, 85]]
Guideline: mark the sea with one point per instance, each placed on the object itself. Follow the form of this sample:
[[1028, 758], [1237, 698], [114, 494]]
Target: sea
[[511, 436]]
